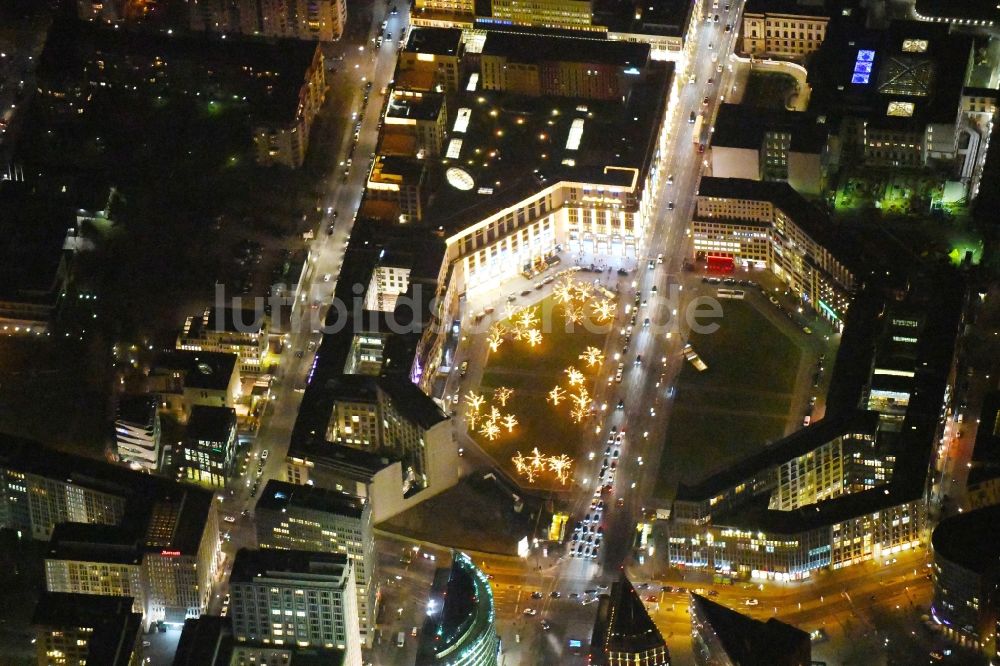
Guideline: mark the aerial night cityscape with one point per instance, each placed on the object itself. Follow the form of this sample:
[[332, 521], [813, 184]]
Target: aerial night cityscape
[[499, 332]]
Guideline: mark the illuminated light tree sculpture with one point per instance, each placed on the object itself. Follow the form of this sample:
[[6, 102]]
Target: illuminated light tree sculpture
[[573, 314], [509, 421], [490, 430], [575, 377], [604, 310], [560, 466], [534, 337], [593, 356], [495, 336], [556, 395], [563, 291], [502, 395]]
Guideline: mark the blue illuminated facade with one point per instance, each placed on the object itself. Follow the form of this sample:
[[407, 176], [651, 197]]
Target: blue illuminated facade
[[863, 66]]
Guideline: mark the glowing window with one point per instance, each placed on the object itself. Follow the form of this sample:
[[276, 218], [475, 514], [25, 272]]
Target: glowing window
[[462, 120], [459, 179], [454, 149], [914, 45], [902, 109], [575, 134]]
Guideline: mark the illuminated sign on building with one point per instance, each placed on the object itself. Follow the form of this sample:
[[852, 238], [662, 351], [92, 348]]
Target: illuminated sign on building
[[863, 66], [170, 553]]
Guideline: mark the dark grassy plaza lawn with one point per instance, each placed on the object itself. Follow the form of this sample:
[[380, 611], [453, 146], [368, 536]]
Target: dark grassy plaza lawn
[[735, 406]]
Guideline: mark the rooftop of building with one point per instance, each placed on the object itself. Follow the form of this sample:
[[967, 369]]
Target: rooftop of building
[[797, 444], [512, 147], [970, 10], [736, 127], [751, 642], [902, 78], [960, 540], [64, 609], [211, 424], [250, 564], [271, 71], [204, 641], [397, 169], [85, 542], [413, 106], [459, 611], [233, 320], [200, 369], [115, 628], [622, 624], [668, 18], [793, 7], [352, 462], [534, 48], [32, 243], [281, 496], [986, 451], [435, 41], [137, 409]]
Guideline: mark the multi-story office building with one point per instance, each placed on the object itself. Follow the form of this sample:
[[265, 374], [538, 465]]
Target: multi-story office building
[[79, 629], [430, 60], [460, 626], [389, 416], [321, 20], [769, 225], [560, 67], [295, 598], [163, 554], [624, 634], [281, 82], [396, 191], [895, 96], [137, 432], [208, 453], [36, 495], [788, 29], [182, 380], [771, 145], [303, 517], [983, 483], [95, 560], [894, 375], [229, 331], [722, 637], [415, 124], [966, 576], [570, 14]]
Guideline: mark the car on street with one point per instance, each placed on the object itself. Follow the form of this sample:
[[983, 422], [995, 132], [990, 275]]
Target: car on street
[[463, 368], [530, 612]]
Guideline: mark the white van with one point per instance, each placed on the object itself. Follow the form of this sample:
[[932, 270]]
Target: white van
[[401, 639]]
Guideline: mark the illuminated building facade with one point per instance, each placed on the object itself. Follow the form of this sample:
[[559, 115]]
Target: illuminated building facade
[[430, 60], [137, 432], [460, 626], [789, 30], [228, 331], [302, 517], [295, 598], [75, 630], [184, 379], [542, 13], [208, 453], [769, 225], [966, 578], [320, 20]]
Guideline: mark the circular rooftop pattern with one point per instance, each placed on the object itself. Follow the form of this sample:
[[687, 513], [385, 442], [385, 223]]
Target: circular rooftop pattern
[[459, 179]]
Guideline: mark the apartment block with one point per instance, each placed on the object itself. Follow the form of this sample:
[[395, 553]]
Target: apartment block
[[229, 331], [788, 29], [303, 517], [302, 598], [137, 432]]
